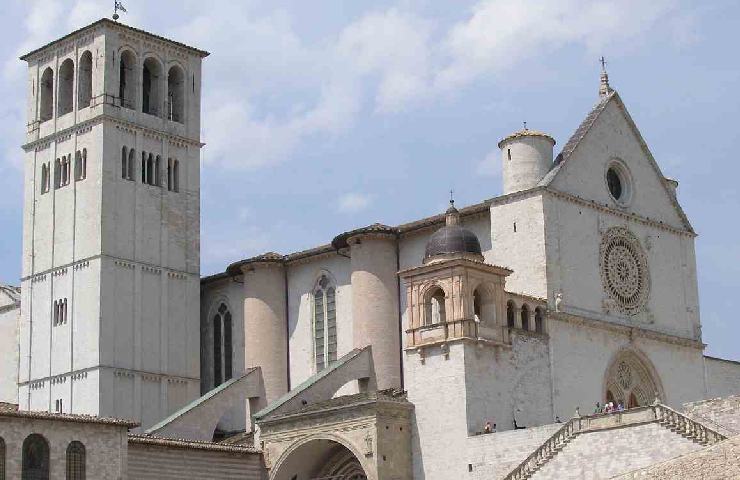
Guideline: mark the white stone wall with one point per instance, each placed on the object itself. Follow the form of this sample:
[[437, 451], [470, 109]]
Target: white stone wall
[[574, 235], [105, 446], [723, 377], [518, 242], [302, 278], [9, 318], [580, 356], [124, 254], [228, 291]]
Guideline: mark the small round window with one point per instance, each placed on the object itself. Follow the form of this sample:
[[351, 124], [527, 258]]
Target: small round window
[[618, 183], [614, 183]]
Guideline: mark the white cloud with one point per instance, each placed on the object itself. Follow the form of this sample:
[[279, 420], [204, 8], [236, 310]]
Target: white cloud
[[490, 166], [353, 202]]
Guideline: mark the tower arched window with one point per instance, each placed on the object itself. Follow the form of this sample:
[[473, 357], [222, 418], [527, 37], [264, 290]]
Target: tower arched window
[[151, 77], [143, 167], [324, 323], [44, 177], [76, 461], [175, 94], [525, 317], [66, 87], [57, 173], [477, 307], [222, 345], [539, 320], [84, 80], [127, 79], [510, 314], [35, 461], [46, 95]]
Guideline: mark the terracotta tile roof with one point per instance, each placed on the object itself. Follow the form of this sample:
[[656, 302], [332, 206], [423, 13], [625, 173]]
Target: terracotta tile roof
[[107, 21], [340, 241], [526, 132], [65, 417], [189, 444]]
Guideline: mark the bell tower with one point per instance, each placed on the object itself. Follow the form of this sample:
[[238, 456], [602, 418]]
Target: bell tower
[[110, 282]]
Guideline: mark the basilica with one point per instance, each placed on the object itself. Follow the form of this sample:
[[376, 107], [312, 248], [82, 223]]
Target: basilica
[[480, 343]]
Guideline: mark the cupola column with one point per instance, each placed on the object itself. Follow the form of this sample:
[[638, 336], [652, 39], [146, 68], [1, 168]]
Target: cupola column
[[375, 308]]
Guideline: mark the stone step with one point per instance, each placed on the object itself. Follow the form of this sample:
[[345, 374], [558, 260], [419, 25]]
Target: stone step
[[603, 454]]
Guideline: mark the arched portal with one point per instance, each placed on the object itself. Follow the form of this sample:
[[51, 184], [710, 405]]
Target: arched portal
[[319, 459], [631, 380]]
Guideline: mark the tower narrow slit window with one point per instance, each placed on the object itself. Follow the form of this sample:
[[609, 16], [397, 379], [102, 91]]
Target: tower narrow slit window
[[84, 80], [46, 95], [124, 162], [150, 169], [143, 167], [66, 87], [57, 173], [176, 176], [324, 323], [222, 345], [76, 461], [44, 178], [131, 163], [35, 458], [157, 171]]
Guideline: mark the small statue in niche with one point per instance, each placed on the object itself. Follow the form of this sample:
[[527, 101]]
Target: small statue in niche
[[558, 301]]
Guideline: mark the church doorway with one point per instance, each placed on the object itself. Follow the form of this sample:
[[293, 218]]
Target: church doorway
[[320, 460], [630, 381]]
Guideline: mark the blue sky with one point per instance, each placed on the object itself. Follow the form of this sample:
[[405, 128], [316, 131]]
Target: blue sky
[[325, 115]]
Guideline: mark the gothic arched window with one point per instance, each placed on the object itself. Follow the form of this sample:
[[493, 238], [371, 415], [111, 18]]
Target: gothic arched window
[[525, 317], [324, 323], [222, 349], [35, 458], [75, 461], [510, 314]]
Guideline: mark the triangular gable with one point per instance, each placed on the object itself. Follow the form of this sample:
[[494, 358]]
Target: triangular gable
[[571, 150]]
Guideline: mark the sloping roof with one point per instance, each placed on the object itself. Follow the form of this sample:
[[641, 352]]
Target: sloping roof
[[575, 140], [189, 444], [348, 401], [107, 21], [65, 417]]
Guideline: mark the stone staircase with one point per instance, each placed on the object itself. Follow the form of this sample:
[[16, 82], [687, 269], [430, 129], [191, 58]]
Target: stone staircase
[[722, 414], [605, 445]]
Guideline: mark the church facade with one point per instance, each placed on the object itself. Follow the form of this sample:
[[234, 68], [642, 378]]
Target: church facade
[[385, 353]]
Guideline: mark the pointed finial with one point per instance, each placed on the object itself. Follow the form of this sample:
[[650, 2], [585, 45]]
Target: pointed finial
[[452, 198], [525, 125], [604, 88]]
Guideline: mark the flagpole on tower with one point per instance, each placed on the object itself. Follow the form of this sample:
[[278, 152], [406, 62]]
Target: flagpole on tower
[[116, 7]]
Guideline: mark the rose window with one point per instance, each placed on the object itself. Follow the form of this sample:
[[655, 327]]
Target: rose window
[[624, 271]]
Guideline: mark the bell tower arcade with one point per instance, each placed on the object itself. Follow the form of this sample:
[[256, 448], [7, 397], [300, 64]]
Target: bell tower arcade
[[111, 261]]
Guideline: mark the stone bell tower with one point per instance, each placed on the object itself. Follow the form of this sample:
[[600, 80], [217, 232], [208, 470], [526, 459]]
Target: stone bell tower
[[111, 258]]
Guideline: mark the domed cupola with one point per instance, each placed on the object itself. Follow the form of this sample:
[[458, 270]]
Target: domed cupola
[[452, 240]]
